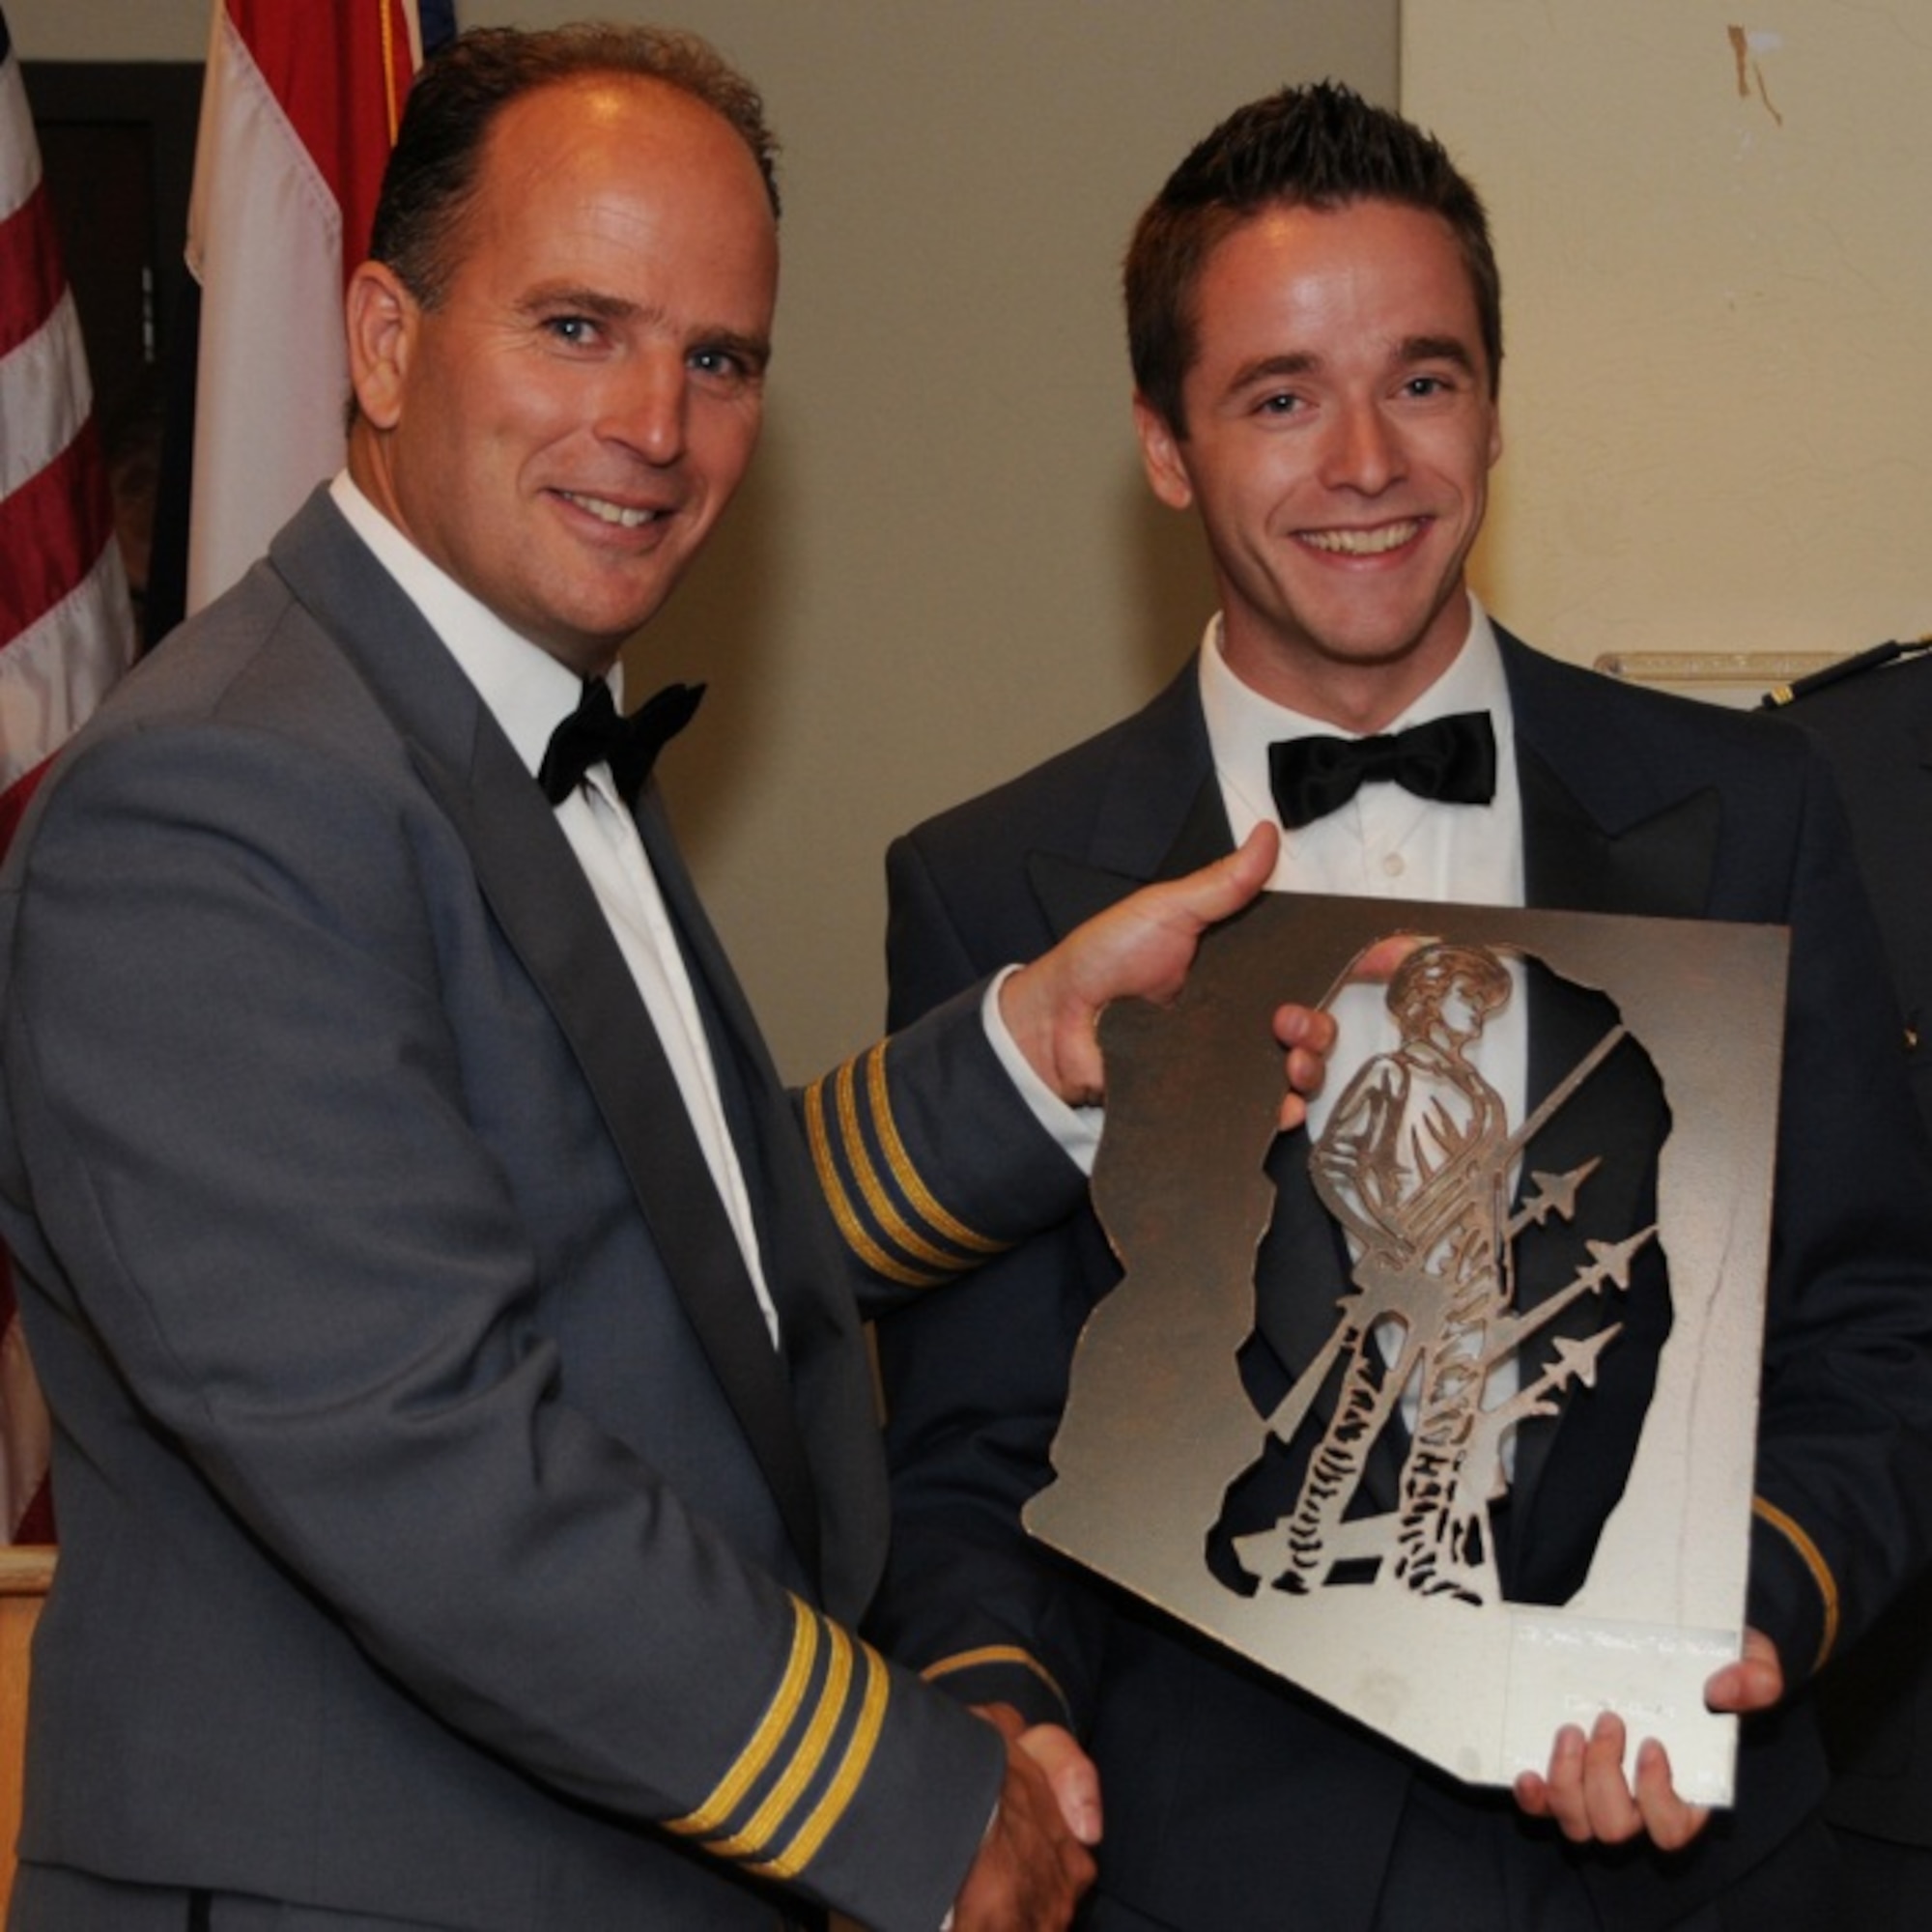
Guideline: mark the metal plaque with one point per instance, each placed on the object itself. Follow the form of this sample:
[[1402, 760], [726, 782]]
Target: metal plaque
[[1446, 1410]]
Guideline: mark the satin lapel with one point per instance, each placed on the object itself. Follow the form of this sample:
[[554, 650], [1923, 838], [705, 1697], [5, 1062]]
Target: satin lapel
[[1658, 868], [705, 952], [761, 1114], [1072, 890], [832, 1402], [1155, 815], [552, 921]]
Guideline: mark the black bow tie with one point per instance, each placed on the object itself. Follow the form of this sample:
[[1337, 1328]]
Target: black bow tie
[[630, 745], [1451, 758]]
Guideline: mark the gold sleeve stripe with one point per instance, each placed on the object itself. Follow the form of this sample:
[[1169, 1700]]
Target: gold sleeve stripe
[[858, 1749], [995, 1653], [910, 1184], [779, 1717], [1813, 1559], [888, 1217], [832, 1185], [806, 1761]]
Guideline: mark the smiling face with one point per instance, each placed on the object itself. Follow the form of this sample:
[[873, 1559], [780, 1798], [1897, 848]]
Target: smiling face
[[562, 430], [1341, 428]]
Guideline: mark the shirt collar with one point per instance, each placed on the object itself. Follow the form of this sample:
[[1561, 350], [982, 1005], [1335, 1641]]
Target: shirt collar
[[528, 690], [1243, 724]]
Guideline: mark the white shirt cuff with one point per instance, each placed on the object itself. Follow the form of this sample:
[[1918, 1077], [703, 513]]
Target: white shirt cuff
[[1076, 1129]]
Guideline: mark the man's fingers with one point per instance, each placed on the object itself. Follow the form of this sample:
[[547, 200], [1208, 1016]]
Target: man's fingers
[[1031, 1869], [1071, 1772], [1004, 1718], [1591, 1802], [1308, 1033], [1561, 1791], [1756, 1682], [1609, 1808], [1221, 888], [1184, 908], [1670, 1820], [1139, 949]]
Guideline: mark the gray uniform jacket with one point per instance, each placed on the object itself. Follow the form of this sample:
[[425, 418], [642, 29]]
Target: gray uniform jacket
[[442, 1536]]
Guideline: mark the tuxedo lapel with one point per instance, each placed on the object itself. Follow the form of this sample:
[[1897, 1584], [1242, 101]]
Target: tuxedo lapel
[[1158, 814], [762, 1125], [830, 1388], [1599, 835], [1071, 890], [1658, 868], [552, 921]]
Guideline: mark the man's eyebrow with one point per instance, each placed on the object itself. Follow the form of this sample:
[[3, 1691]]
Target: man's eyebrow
[[549, 297], [1271, 369], [1410, 350], [1437, 349]]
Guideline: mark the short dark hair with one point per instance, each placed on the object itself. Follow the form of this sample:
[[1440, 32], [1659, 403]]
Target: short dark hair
[[1318, 147], [431, 179]]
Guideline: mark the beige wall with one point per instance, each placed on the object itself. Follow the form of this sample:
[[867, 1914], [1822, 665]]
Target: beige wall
[[138, 30], [1716, 255], [945, 565], [1718, 270]]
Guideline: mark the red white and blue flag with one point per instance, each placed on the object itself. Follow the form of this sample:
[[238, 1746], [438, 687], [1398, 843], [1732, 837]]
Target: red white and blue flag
[[67, 629], [298, 113]]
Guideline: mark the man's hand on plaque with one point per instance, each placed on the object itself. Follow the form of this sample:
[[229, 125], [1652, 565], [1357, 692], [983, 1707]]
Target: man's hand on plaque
[[1140, 949], [1586, 1792]]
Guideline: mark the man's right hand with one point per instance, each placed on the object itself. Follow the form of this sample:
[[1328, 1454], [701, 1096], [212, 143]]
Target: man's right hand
[[1033, 1870]]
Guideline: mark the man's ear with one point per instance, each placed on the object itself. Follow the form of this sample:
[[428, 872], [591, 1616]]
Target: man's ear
[[1161, 455], [383, 319]]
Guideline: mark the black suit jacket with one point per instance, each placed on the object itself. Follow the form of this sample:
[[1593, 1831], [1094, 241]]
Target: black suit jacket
[[1876, 729], [1230, 1796], [443, 1537]]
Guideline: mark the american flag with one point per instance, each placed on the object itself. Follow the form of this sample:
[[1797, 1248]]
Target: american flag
[[67, 629]]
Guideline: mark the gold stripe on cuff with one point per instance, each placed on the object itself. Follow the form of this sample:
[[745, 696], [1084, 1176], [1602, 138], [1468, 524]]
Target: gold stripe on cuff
[[995, 1653], [1814, 1561], [833, 1806], [903, 1170], [765, 1822], [832, 1184], [779, 1717]]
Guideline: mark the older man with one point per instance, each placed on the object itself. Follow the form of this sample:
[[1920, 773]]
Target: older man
[[464, 1451]]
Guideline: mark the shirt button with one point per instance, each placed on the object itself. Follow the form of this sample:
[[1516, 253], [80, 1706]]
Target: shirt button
[[1392, 864]]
